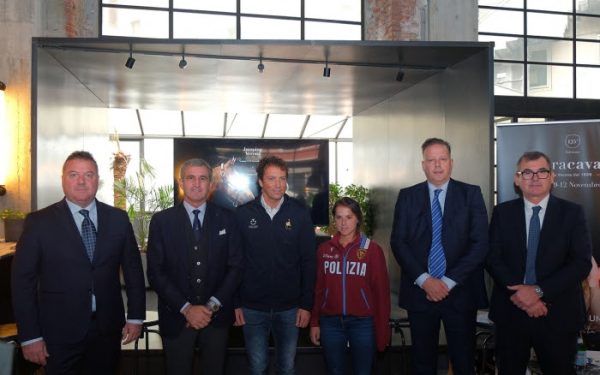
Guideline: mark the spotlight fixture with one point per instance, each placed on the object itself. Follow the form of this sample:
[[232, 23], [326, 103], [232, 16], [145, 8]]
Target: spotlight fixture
[[182, 62], [261, 66], [400, 75], [130, 59], [326, 70]]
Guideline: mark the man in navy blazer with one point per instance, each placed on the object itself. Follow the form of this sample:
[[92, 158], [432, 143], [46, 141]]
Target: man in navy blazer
[[68, 307], [537, 299], [194, 264], [457, 290]]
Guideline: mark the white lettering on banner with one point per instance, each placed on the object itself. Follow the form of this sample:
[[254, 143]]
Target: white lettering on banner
[[580, 165], [584, 185], [352, 268]]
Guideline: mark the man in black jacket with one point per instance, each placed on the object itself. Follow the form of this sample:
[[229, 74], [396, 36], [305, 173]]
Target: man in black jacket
[[540, 251], [65, 279], [276, 294], [194, 264]]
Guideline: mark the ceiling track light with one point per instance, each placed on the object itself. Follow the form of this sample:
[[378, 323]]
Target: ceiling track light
[[400, 75], [130, 60], [182, 62], [326, 70], [260, 66]]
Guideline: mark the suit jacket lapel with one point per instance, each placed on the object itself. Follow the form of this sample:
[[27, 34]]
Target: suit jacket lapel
[[450, 203], [551, 217], [520, 229], [102, 231], [424, 205], [209, 228], [184, 238]]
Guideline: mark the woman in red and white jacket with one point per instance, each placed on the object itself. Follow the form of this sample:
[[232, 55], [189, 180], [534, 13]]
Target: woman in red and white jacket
[[352, 295]]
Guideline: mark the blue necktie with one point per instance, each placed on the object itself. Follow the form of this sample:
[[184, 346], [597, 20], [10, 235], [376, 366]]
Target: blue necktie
[[532, 246], [437, 259], [88, 234], [196, 226]]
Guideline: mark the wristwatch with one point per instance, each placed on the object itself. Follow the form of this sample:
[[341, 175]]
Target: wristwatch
[[213, 306], [539, 291]]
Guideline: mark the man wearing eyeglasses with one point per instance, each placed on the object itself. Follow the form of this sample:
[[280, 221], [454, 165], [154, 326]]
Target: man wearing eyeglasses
[[540, 251]]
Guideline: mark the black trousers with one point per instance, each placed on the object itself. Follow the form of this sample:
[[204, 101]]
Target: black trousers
[[555, 349], [212, 346], [97, 354], [460, 335]]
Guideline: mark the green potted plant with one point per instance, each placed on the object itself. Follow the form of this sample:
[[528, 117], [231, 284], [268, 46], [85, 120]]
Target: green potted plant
[[13, 224], [143, 200], [360, 194]]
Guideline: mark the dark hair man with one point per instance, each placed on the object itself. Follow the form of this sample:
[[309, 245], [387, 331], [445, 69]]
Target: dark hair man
[[276, 294]]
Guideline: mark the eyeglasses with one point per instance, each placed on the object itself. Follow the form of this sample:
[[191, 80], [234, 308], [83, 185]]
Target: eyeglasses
[[527, 174]]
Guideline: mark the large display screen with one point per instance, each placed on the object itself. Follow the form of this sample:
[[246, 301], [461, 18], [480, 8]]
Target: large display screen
[[234, 164]]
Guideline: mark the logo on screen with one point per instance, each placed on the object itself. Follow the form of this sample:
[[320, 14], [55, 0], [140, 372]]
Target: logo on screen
[[572, 140]]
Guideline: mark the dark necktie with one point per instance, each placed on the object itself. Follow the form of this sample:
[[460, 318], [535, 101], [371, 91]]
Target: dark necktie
[[88, 234], [437, 258], [532, 246], [196, 226]]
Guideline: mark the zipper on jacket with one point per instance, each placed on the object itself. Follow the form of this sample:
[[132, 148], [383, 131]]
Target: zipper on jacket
[[364, 296], [325, 298], [344, 265]]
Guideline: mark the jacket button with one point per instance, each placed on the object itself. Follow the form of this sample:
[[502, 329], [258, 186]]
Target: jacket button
[[198, 263], [198, 281]]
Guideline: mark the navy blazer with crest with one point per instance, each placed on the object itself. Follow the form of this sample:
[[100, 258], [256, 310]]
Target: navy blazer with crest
[[464, 237], [563, 260], [53, 278], [169, 263]]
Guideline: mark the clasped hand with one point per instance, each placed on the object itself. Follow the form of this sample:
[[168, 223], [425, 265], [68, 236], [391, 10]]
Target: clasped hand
[[198, 316], [526, 299]]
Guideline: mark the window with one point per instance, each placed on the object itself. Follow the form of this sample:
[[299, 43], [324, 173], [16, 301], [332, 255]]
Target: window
[[219, 19], [554, 42]]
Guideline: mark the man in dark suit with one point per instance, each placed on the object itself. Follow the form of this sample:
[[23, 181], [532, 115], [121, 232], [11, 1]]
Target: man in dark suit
[[194, 264], [540, 251], [439, 237], [65, 279]]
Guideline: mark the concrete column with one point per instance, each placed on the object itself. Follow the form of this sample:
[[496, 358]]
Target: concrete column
[[441, 20], [20, 20]]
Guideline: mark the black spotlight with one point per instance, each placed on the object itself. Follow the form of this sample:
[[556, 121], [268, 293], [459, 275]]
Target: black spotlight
[[260, 66], [130, 59], [130, 62], [326, 71], [400, 75], [182, 63]]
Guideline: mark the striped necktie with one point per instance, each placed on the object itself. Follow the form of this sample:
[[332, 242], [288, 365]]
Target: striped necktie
[[437, 259]]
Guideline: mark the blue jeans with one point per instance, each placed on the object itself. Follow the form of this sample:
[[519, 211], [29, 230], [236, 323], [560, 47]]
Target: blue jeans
[[259, 324], [343, 335]]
